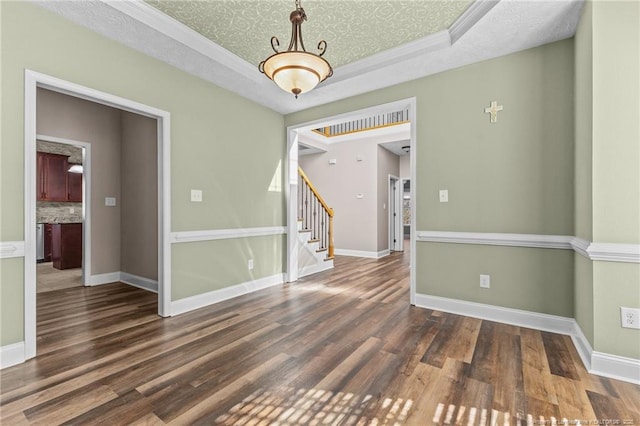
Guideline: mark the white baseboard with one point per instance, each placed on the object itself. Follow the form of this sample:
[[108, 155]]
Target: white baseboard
[[582, 345], [361, 253], [602, 364], [615, 367], [140, 282], [538, 321], [124, 277], [100, 279], [12, 354], [201, 300]]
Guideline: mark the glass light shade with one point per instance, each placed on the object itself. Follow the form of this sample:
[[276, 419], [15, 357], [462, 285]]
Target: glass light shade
[[296, 72], [76, 168]]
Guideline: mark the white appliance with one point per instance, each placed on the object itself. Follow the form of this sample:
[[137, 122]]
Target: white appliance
[[40, 242]]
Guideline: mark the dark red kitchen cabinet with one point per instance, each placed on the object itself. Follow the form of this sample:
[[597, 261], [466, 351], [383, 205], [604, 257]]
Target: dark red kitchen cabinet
[[74, 186], [48, 238], [67, 245], [52, 177]]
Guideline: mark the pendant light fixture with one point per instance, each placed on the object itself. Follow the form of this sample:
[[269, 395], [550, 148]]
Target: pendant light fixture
[[296, 70]]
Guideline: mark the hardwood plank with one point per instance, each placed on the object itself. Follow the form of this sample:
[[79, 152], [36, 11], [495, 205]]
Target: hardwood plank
[[559, 357]]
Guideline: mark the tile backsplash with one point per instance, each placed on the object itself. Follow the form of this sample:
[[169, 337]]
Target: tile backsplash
[[51, 212]]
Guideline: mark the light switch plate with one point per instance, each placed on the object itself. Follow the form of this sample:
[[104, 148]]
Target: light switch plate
[[110, 201], [444, 195], [485, 281], [196, 195]]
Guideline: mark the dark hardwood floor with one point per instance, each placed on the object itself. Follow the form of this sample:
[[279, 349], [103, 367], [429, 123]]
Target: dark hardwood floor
[[341, 347]]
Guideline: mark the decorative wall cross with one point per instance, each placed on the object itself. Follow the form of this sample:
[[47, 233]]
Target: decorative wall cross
[[493, 110]]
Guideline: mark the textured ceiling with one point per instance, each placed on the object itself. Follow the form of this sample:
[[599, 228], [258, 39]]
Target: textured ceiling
[[353, 29]]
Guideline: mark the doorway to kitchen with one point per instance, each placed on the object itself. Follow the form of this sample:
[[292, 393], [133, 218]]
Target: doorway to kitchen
[[62, 197], [107, 201]]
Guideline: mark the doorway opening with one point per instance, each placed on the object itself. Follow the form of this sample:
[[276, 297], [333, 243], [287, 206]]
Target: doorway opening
[[295, 146], [62, 192], [35, 81]]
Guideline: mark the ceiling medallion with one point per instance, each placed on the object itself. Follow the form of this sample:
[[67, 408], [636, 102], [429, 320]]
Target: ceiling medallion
[[296, 70]]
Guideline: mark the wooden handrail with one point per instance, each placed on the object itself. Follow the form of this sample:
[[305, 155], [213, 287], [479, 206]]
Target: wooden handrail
[[328, 209]]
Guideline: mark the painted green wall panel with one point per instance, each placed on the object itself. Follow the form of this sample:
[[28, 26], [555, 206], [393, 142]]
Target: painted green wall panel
[[616, 284], [583, 295], [530, 279], [584, 126], [200, 267], [11, 301], [616, 123]]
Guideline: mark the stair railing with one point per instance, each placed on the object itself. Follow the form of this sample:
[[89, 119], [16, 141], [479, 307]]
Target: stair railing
[[315, 214]]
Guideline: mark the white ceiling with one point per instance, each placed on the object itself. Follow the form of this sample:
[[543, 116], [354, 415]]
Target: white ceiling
[[487, 29]]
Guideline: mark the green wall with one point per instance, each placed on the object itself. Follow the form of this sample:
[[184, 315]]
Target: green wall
[[531, 279], [212, 148], [616, 168], [514, 176]]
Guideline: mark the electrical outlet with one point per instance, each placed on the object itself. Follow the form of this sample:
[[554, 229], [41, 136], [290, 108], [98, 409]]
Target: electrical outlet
[[485, 281], [444, 195], [630, 317], [196, 195], [250, 264]]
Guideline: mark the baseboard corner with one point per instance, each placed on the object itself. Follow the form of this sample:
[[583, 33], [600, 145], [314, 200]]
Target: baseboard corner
[[12, 354]]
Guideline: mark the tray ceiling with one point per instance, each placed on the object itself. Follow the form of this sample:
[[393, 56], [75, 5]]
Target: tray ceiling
[[353, 30], [221, 41]]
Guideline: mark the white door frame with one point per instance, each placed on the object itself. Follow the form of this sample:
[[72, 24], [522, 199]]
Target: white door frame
[[33, 80], [395, 222], [291, 172], [86, 199]]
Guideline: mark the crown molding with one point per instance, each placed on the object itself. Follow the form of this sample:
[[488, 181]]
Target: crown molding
[[487, 29], [470, 17]]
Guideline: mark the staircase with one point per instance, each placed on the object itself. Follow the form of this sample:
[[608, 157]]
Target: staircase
[[315, 229]]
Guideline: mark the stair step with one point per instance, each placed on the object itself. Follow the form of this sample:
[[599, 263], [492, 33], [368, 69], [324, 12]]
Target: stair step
[[314, 240], [329, 258], [321, 249], [304, 230]]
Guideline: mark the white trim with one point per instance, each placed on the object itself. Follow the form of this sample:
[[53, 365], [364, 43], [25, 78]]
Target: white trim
[[538, 321], [138, 281], [9, 249], [30, 170], [470, 17], [580, 246], [32, 80], [205, 299], [583, 347], [616, 367], [101, 279], [362, 253], [224, 234], [610, 252], [11, 354], [614, 252], [497, 239]]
